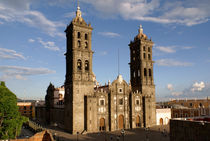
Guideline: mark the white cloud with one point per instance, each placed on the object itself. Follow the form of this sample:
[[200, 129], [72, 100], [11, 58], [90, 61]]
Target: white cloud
[[170, 87], [198, 86], [171, 62], [177, 93], [17, 72], [31, 40], [187, 48], [19, 11], [10, 54], [188, 12], [172, 49], [48, 45], [166, 49], [70, 15], [103, 53], [109, 34]]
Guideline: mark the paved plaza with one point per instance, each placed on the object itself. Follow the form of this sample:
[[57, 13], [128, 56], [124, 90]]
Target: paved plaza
[[156, 133]]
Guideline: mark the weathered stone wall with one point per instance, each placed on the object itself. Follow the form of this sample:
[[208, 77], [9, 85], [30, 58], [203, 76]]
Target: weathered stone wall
[[183, 130], [41, 136]]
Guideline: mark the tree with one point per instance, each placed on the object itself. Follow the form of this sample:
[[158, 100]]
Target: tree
[[10, 119]]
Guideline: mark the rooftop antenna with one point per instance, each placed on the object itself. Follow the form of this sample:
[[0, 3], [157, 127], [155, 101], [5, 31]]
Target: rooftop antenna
[[77, 3], [118, 62]]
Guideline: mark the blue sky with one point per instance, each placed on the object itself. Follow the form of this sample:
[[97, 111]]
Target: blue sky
[[32, 43]]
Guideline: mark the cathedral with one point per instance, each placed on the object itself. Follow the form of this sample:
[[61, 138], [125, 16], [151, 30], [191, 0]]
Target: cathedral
[[82, 106]]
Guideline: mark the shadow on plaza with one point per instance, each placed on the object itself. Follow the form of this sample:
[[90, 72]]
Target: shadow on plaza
[[140, 134]]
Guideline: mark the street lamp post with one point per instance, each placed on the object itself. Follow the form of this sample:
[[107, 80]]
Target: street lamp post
[[123, 133], [77, 135]]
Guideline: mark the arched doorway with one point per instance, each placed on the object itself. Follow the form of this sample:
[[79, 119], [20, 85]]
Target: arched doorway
[[121, 121], [161, 121], [102, 124], [46, 137], [138, 121]]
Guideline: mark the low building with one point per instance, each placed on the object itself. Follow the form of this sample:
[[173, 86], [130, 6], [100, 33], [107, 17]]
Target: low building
[[192, 103], [27, 108], [163, 116], [190, 129]]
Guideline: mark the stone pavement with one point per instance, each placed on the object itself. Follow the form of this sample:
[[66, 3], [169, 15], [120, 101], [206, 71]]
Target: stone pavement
[[153, 134]]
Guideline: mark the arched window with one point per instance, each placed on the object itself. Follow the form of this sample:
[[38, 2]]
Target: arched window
[[145, 72], [144, 55], [79, 43], [79, 35], [150, 72], [86, 45], [86, 36], [149, 57], [86, 65], [79, 65], [148, 49]]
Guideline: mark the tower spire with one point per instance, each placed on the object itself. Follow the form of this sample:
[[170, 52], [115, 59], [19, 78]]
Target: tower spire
[[78, 5], [140, 29], [78, 12]]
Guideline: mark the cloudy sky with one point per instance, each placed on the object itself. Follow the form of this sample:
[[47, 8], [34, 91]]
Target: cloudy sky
[[32, 43]]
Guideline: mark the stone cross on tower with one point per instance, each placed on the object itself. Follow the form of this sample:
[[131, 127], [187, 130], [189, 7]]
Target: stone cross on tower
[[78, 12], [140, 29]]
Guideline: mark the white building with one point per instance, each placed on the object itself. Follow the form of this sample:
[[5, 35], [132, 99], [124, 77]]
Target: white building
[[163, 116]]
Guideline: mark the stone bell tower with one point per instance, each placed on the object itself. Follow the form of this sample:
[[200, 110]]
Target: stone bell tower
[[141, 75], [79, 76]]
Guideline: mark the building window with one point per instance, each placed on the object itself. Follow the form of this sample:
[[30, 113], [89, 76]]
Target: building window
[[133, 58], [120, 90], [137, 102], [133, 51], [30, 107], [144, 55], [186, 115], [102, 103], [86, 36], [191, 104], [121, 101], [144, 48], [200, 105], [149, 57], [86, 65], [138, 73], [79, 43], [24, 107], [150, 72], [79, 65], [79, 35], [176, 115], [145, 72], [148, 49], [86, 45]]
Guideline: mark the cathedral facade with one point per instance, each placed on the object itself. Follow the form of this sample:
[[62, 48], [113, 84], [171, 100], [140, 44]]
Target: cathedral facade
[[87, 107]]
